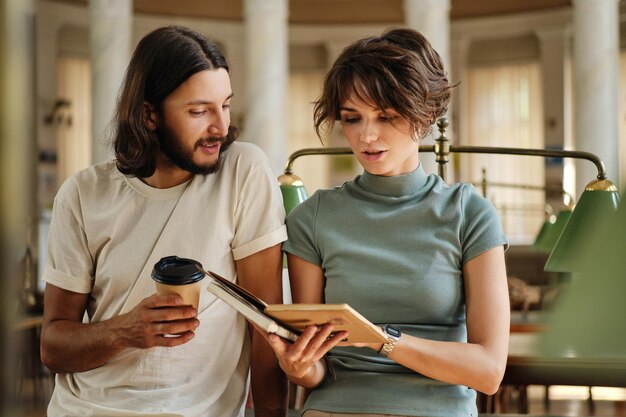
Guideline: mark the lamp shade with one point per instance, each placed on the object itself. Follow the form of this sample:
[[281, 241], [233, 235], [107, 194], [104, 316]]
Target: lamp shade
[[542, 232], [551, 230], [293, 191], [589, 318], [598, 201]]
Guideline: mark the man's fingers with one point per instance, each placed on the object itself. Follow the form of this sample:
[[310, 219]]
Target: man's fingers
[[175, 327], [157, 301], [175, 340], [172, 314]]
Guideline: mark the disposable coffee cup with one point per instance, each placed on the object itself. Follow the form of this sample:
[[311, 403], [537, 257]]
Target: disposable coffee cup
[[174, 275]]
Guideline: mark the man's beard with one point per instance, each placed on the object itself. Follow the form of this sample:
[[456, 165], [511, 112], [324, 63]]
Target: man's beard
[[172, 147]]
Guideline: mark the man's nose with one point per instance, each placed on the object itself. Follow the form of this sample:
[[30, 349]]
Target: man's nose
[[219, 125]]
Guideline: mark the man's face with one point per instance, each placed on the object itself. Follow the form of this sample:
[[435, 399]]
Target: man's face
[[194, 120]]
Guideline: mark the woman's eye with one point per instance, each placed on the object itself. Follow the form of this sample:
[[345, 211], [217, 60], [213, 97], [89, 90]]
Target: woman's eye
[[350, 120], [388, 119]]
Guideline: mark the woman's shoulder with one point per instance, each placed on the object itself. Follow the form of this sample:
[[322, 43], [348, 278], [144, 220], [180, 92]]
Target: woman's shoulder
[[325, 197]]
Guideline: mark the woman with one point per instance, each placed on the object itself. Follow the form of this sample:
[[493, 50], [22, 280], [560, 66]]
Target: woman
[[421, 258]]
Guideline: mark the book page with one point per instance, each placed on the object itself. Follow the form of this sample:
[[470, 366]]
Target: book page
[[248, 305]]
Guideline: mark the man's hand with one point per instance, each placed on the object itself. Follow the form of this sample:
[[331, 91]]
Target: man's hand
[[69, 345], [159, 320]]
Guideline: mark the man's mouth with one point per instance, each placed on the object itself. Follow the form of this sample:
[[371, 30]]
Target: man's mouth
[[209, 146]]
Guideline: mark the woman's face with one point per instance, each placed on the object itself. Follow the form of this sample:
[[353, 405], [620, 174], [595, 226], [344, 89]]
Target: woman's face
[[383, 143]]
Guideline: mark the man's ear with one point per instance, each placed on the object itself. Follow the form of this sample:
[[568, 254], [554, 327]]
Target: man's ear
[[150, 116]]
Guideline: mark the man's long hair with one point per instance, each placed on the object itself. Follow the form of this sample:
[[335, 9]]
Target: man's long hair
[[162, 61]]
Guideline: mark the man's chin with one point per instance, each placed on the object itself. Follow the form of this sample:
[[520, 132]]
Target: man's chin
[[203, 169], [206, 168]]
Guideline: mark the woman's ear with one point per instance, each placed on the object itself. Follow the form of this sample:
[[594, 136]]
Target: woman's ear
[[150, 116]]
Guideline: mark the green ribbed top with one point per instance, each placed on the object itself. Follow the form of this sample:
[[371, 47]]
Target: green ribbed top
[[394, 248]]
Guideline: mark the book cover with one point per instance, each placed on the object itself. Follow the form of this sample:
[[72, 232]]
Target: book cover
[[288, 320]]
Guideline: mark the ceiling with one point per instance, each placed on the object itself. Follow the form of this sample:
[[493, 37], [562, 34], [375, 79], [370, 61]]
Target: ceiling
[[335, 11]]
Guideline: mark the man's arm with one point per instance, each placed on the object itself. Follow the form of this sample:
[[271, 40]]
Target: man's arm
[[261, 274], [68, 345]]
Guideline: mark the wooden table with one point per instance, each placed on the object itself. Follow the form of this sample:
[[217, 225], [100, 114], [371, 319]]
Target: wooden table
[[526, 366]]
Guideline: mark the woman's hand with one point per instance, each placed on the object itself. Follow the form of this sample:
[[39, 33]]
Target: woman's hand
[[301, 360], [374, 346]]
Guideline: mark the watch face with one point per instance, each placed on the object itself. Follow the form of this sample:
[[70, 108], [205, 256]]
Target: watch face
[[392, 330]]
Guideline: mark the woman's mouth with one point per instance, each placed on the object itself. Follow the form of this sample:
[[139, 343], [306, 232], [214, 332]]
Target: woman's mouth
[[373, 154]]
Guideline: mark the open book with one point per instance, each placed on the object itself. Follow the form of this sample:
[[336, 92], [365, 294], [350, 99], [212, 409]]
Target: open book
[[289, 320]]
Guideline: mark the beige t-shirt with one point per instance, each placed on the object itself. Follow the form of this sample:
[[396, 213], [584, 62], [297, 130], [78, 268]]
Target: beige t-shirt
[[107, 232]]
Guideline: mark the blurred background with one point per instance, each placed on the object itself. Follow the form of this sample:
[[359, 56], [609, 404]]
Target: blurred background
[[532, 74]]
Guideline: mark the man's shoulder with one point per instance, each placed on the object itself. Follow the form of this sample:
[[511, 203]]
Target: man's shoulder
[[95, 178], [244, 156], [99, 172], [244, 151]]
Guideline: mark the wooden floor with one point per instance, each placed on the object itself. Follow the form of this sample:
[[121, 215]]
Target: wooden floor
[[563, 401]]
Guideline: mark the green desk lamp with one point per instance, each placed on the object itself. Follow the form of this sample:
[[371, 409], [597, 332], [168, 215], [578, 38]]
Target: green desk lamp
[[291, 185], [589, 318], [599, 200], [551, 230], [292, 188]]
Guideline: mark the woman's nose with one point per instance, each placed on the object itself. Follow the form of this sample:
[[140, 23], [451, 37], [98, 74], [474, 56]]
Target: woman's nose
[[368, 133]]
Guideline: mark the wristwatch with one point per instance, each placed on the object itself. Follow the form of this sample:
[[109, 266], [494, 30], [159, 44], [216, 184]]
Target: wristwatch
[[393, 334]]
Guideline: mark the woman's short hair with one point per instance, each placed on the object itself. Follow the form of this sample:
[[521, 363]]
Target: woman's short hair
[[398, 70], [162, 61]]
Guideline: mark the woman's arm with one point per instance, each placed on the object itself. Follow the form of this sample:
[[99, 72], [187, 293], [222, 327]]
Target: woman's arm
[[301, 360], [480, 362]]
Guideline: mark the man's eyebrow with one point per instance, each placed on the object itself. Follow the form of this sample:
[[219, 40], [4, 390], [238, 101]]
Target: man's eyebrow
[[201, 102]]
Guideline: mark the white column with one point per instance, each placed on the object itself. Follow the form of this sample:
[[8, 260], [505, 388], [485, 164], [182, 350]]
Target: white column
[[267, 69], [596, 68], [110, 37], [233, 49], [432, 19], [554, 48]]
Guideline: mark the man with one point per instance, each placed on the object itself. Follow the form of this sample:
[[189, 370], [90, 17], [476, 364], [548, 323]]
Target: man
[[181, 186]]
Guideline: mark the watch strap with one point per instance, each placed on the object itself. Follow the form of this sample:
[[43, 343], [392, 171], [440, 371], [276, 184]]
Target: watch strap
[[393, 334]]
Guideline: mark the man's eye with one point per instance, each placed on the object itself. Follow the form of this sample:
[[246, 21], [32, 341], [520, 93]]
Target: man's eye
[[226, 106], [197, 112]]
